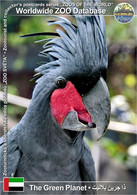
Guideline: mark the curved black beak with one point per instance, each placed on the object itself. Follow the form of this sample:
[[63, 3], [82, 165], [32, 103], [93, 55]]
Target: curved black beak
[[97, 102]]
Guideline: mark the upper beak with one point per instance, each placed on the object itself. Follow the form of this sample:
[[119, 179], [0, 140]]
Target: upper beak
[[97, 102]]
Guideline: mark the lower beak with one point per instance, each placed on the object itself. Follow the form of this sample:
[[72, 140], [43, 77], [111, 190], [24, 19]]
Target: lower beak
[[71, 122]]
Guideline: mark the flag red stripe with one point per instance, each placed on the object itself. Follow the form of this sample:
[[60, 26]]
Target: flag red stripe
[[6, 184]]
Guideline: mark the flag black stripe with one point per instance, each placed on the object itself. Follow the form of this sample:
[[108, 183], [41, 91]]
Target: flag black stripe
[[15, 189]]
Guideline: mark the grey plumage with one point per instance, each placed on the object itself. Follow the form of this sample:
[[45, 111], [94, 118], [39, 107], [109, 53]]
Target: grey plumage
[[82, 49]]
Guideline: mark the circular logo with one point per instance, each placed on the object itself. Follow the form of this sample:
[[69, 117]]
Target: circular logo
[[124, 13]]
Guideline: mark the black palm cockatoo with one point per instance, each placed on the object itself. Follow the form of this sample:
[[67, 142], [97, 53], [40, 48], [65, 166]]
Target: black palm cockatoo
[[69, 98]]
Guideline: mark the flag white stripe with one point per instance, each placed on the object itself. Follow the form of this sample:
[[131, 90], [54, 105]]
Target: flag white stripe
[[16, 184]]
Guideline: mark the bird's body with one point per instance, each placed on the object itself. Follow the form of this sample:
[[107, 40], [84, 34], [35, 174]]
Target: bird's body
[[60, 160], [47, 144], [51, 162]]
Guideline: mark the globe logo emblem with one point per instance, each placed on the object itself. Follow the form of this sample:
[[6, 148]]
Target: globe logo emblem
[[124, 13]]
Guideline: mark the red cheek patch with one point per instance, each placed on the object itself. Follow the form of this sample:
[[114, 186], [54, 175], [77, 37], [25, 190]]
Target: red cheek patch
[[65, 100]]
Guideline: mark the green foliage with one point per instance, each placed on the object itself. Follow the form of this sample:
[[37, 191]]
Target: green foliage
[[12, 89], [121, 39], [26, 26], [15, 111], [115, 150], [130, 80], [118, 32], [18, 64]]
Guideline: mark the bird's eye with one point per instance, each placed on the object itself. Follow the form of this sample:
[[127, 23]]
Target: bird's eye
[[61, 82]]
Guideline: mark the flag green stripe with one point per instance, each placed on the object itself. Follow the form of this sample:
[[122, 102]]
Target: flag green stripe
[[16, 179]]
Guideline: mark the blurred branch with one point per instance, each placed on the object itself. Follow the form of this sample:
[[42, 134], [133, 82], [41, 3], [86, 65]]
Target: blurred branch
[[16, 100], [114, 126], [122, 127]]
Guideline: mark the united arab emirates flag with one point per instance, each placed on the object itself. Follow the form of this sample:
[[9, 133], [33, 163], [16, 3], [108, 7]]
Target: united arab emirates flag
[[15, 184]]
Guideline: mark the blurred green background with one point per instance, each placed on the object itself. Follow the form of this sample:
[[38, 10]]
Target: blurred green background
[[121, 77]]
